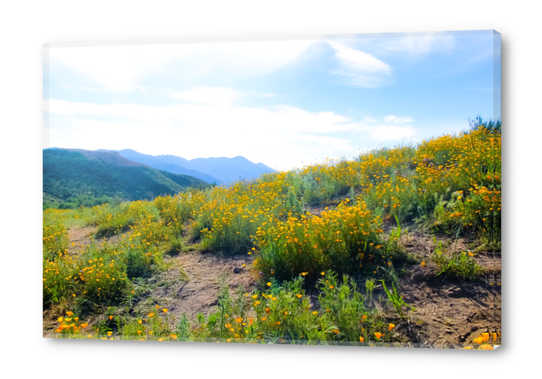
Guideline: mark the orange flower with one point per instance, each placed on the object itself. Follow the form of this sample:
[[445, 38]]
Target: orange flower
[[299, 296], [239, 319], [174, 336], [269, 284], [151, 314], [486, 347], [164, 310], [391, 326], [361, 339], [264, 318], [337, 331], [378, 335], [111, 317], [69, 313]]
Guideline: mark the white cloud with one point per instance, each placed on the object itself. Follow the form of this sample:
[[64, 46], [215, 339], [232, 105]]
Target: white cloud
[[280, 136], [121, 68], [81, 88], [397, 120], [419, 44], [393, 128], [361, 69], [208, 95], [321, 143], [392, 132]]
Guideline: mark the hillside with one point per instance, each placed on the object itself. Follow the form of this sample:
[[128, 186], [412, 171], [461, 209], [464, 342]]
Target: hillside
[[169, 163], [230, 169], [78, 173], [212, 170], [398, 247]]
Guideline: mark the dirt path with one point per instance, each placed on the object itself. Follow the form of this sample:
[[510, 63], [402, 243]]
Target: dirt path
[[451, 312], [192, 283], [447, 311], [80, 237]]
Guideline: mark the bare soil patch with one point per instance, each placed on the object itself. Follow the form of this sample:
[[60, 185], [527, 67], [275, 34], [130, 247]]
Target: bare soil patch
[[81, 236], [447, 311], [192, 284], [450, 312]]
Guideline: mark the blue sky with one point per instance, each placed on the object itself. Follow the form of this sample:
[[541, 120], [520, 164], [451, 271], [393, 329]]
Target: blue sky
[[283, 103]]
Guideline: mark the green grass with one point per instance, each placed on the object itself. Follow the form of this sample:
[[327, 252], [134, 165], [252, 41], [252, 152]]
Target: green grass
[[442, 185], [70, 180], [459, 265]]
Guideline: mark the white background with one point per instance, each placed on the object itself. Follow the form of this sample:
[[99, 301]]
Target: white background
[[26, 25]]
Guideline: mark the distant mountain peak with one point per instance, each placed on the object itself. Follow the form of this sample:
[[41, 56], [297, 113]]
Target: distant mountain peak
[[216, 170], [77, 172], [212, 169]]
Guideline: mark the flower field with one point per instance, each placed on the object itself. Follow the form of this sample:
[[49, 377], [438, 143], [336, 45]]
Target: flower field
[[331, 248]]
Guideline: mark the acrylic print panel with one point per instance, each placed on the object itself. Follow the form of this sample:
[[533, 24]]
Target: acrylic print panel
[[331, 190]]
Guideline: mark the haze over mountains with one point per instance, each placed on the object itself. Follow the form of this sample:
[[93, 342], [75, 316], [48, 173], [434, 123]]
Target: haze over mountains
[[70, 175], [211, 170]]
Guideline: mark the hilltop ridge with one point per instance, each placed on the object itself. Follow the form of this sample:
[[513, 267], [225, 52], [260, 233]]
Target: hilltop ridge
[[72, 173], [218, 170]]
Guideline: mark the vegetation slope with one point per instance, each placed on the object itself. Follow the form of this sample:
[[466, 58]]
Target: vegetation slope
[[72, 175], [326, 228]]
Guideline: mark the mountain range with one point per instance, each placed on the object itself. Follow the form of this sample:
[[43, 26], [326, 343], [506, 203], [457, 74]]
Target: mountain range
[[211, 170], [70, 175]]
